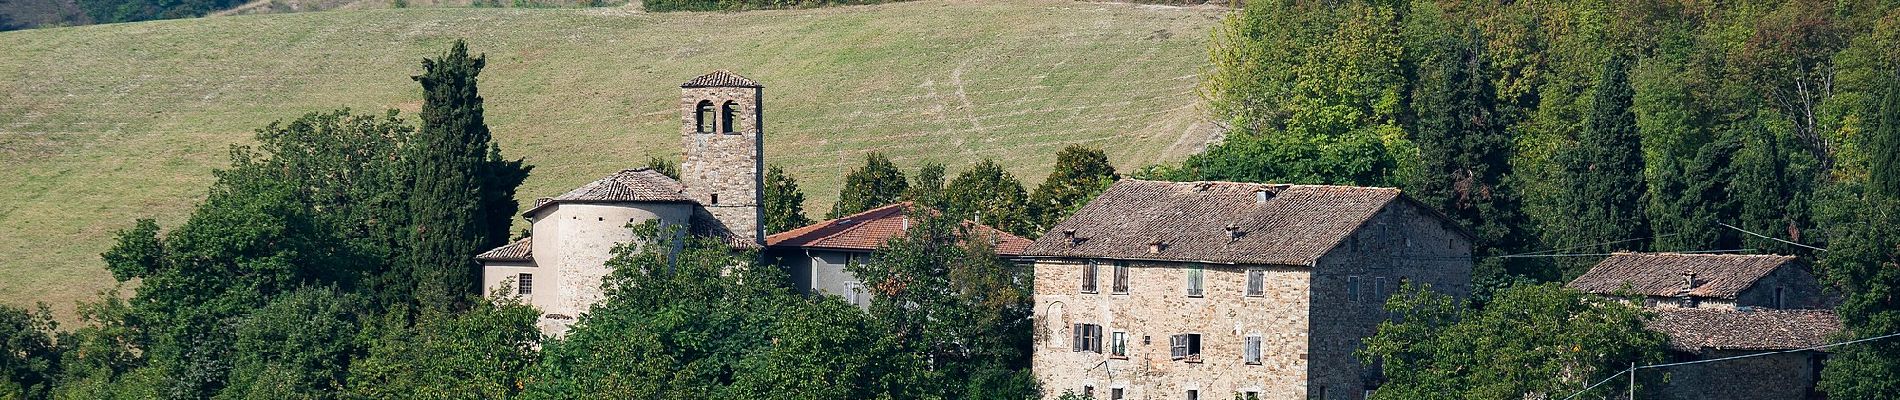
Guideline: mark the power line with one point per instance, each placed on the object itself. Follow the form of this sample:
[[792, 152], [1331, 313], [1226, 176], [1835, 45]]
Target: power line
[[1766, 237], [1590, 245], [1632, 369], [1611, 254]]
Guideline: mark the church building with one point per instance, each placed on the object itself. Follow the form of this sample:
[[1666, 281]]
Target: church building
[[559, 267]]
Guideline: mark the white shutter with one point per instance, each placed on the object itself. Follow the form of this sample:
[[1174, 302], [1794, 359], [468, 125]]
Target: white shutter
[[1177, 346], [1253, 350]]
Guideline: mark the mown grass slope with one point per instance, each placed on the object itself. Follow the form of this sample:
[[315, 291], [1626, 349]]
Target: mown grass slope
[[100, 125]]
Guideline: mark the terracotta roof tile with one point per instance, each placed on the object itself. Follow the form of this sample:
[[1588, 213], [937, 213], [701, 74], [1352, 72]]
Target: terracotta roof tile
[[1695, 329], [1190, 220], [869, 230], [519, 250], [633, 185], [721, 78], [1719, 276]]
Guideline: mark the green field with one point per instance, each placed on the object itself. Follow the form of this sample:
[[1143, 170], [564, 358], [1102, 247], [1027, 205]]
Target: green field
[[100, 125]]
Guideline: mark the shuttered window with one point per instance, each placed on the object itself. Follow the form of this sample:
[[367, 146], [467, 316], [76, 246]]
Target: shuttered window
[[1194, 280], [1121, 277], [1256, 282], [1088, 337], [1252, 353], [1088, 276], [1185, 346]]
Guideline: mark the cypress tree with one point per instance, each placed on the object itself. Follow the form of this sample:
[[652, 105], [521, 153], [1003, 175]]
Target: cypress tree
[[1884, 168], [1465, 152], [1604, 176], [462, 192], [875, 184], [784, 203]]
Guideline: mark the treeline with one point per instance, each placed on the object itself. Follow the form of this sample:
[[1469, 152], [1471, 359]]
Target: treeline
[[1586, 128], [739, 5]]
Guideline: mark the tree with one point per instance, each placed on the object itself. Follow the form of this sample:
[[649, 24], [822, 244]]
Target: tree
[[481, 353], [664, 167], [873, 185], [1080, 173], [1530, 341], [1603, 177], [954, 306], [29, 364], [784, 203], [989, 195], [298, 346], [927, 187], [1884, 142], [462, 192]]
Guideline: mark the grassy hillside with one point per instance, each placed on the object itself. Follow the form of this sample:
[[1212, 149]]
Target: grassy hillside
[[100, 125]]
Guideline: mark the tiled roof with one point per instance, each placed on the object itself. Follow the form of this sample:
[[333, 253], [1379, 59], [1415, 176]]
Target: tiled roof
[[1720, 276], [1190, 220], [870, 229], [519, 250], [633, 185], [721, 78], [1696, 329]]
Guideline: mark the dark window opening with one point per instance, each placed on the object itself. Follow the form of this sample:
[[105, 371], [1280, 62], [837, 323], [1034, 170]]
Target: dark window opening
[[727, 113], [1193, 394], [703, 117], [1088, 276], [1115, 394], [1088, 337], [1088, 391], [1186, 346], [524, 284], [715, 199]]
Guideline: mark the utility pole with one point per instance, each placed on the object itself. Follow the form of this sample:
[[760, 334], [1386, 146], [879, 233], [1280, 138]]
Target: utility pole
[[1632, 380]]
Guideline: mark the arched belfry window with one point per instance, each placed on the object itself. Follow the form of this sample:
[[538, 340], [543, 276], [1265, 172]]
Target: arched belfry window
[[727, 113], [703, 117]]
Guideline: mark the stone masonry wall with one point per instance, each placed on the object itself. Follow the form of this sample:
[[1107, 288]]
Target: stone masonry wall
[[1401, 243], [722, 166], [1780, 376], [1799, 290], [1156, 307]]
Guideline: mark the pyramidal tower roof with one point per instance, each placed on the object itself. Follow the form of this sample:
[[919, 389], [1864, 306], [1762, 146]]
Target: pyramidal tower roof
[[721, 78]]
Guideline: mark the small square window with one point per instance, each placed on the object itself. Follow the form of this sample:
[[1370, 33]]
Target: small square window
[[1115, 394], [524, 284], [1088, 391], [1193, 394], [1250, 395]]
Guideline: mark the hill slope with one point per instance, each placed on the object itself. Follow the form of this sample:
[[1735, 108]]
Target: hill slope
[[100, 125]]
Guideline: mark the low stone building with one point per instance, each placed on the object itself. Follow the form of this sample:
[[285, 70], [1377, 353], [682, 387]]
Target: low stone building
[[1725, 305], [1208, 290], [816, 255], [559, 268]]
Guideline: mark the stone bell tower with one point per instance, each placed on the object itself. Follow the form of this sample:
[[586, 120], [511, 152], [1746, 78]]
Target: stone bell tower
[[720, 126]]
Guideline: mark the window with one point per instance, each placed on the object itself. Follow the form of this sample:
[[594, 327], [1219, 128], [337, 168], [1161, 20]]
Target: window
[[1779, 297], [1118, 344], [727, 113], [1256, 282], [1088, 391], [1194, 281], [1121, 277], [1252, 354], [1250, 395], [1088, 337], [1115, 394], [703, 117], [1185, 346], [855, 295], [524, 284], [715, 199], [1088, 276], [1352, 288], [1193, 394], [1378, 288]]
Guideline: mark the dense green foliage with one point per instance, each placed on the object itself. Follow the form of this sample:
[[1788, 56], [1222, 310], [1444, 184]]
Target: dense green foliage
[[1530, 341], [926, 187], [1080, 173], [737, 5], [29, 357], [461, 196], [110, 11], [873, 185], [484, 352], [784, 206], [986, 194]]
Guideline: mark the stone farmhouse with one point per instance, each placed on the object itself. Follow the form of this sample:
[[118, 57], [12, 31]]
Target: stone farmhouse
[[559, 268], [1208, 290], [1724, 305], [816, 254]]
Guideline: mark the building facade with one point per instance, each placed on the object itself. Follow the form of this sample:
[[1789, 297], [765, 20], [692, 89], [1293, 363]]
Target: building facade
[[1208, 290], [559, 268], [816, 255], [1724, 305]]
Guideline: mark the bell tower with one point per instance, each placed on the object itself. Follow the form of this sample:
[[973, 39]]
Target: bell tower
[[720, 126]]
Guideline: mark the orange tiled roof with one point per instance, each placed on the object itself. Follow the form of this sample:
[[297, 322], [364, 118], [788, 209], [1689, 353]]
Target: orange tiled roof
[[870, 229]]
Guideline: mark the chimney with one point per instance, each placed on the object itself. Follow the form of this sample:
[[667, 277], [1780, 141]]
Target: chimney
[[1155, 247], [1688, 281], [1234, 232], [1261, 195], [1070, 235]]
